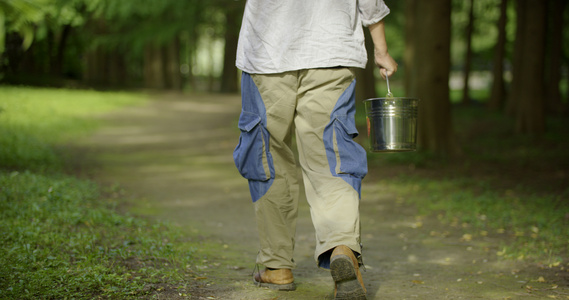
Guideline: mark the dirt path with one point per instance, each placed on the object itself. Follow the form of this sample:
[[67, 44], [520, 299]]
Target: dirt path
[[174, 155]]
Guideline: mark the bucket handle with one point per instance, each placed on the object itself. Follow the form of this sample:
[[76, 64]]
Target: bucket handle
[[389, 94]]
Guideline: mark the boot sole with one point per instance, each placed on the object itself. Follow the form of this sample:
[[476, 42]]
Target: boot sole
[[346, 279]]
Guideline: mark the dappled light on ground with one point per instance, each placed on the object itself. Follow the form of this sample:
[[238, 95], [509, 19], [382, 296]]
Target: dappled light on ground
[[175, 157]]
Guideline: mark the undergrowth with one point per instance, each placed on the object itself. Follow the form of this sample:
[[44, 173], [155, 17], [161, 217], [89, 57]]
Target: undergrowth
[[531, 226], [509, 186], [62, 237]]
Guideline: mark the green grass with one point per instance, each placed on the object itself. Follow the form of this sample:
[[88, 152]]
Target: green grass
[[511, 186], [531, 226], [32, 120], [62, 237]]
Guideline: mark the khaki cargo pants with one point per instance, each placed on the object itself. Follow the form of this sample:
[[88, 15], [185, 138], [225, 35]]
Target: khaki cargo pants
[[318, 105]]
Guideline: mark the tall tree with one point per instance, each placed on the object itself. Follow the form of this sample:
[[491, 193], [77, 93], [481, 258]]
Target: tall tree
[[498, 92], [365, 84], [410, 45], [233, 15], [154, 76], [554, 103], [468, 56], [162, 66], [516, 87], [171, 56], [148, 34], [529, 69], [427, 66]]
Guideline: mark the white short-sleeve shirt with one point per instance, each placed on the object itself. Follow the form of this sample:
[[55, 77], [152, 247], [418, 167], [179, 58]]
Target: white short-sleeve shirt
[[286, 35]]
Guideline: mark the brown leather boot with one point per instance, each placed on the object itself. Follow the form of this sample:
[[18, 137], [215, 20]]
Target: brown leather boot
[[346, 274], [278, 279]]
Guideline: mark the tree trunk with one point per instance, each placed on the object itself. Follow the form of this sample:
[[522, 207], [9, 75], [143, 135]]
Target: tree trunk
[[58, 62], [429, 71], [229, 81], [117, 69], [567, 80], [409, 52], [171, 56], [498, 92], [88, 67], [190, 42], [517, 88], [153, 67], [554, 104], [530, 106], [50, 55], [28, 63], [18, 60], [190, 56], [96, 67], [365, 84], [468, 57]]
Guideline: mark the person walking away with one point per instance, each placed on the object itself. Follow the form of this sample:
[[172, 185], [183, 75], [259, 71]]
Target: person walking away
[[297, 59]]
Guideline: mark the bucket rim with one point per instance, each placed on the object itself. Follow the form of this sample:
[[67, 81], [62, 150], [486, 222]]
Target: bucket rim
[[392, 98]]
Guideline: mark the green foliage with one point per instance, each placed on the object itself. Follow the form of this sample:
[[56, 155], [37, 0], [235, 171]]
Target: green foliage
[[485, 32], [395, 29], [20, 16], [61, 240], [62, 237], [31, 18], [531, 226], [125, 27], [133, 24], [505, 186]]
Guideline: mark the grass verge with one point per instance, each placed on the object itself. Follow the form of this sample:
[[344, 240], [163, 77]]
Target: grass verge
[[511, 187], [33, 120], [530, 226], [61, 236]]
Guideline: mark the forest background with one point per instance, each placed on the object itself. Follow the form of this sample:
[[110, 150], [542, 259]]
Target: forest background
[[492, 75], [508, 54]]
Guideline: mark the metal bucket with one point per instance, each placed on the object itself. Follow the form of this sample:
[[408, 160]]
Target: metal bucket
[[392, 124]]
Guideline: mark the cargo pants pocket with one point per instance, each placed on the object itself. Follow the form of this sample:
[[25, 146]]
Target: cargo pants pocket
[[251, 156], [351, 157]]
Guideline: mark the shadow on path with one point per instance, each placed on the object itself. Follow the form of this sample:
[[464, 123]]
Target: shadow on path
[[175, 155]]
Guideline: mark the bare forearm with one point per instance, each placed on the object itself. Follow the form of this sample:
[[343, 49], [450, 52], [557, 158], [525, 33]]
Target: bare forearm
[[377, 32], [381, 55]]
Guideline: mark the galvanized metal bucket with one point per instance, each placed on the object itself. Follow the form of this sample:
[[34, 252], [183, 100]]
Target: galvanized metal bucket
[[392, 124]]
